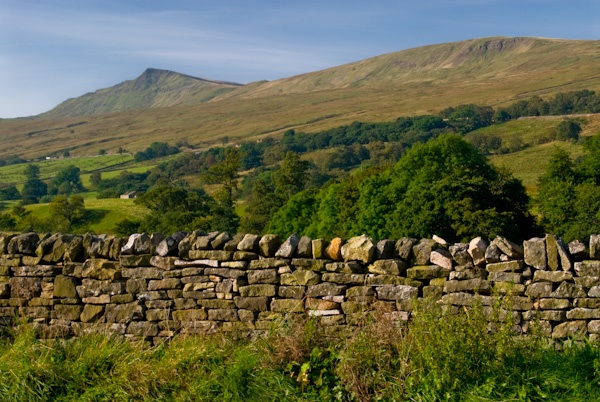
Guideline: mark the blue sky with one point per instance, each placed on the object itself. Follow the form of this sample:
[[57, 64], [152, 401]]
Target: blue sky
[[52, 50]]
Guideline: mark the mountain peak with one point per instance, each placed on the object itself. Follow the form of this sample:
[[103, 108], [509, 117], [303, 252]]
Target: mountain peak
[[153, 88]]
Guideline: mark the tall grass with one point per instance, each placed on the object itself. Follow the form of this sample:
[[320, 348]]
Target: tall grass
[[441, 355]]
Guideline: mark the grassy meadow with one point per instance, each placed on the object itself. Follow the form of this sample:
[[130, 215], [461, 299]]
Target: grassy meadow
[[103, 214]]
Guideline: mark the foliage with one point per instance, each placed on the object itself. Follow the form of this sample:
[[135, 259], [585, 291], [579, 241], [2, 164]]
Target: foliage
[[466, 118], [569, 197], [568, 129], [7, 221], [584, 101], [443, 187], [66, 181], [9, 193], [271, 191], [72, 208], [126, 227], [155, 150], [174, 209], [34, 188]]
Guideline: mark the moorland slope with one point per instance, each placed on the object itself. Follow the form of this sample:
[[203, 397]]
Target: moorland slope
[[488, 71]]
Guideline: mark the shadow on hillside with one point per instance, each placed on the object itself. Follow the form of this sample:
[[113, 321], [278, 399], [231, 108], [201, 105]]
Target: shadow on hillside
[[94, 216]]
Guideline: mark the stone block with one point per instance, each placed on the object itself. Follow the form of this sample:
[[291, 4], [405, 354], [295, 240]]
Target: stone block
[[268, 245], [300, 278], [216, 255], [320, 304], [263, 276], [222, 315], [164, 284], [287, 306], [325, 289], [91, 313], [477, 249], [571, 329], [359, 248], [539, 290], [351, 267], [595, 247], [244, 256], [404, 248], [318, 248], [344, 279], [587, 268], [142, 329], [249, 243], [422, 251], [507, 266], [534, 251], [68, 312], [197, 314], [474, 285], [309, 264], [225, 272], [25, 287], [580, 313], [291, 292], [388, 267], [552, 276], [552, 252], [427, 272], [266, 263], [124, 313], [334, 249], [252, 303], [441, 258], [567, 290], [258, 290], [385, 249], [399, 292], [513, 277]]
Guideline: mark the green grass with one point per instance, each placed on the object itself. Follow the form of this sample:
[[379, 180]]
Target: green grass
[[529, 164], [439, 356], [104, 213], [13, 174]]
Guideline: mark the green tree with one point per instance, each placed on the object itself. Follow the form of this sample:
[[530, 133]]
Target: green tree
[[295, 215], [32, 172], [444, 187], [96, 178], [66, 181], [174, 209], [34, 188], [71, 209], [568, 129], [569, 193], [7, 222], [291, 177], [262, 204], [9, 193], [226, 174]]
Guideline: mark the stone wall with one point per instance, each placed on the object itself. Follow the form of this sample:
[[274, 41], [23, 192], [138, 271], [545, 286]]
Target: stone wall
[[155, 287]]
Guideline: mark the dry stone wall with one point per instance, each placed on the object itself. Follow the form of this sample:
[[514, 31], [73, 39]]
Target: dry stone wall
[[154, 287]]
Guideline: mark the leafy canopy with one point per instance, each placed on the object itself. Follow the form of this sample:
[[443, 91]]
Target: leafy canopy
[[443, 187]]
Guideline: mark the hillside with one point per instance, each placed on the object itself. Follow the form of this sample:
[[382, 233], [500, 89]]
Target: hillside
[[154, 88], [489, 71]]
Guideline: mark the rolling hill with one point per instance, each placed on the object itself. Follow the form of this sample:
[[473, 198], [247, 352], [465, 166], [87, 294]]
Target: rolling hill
[[487, 71], [154, 88]]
